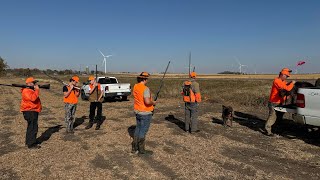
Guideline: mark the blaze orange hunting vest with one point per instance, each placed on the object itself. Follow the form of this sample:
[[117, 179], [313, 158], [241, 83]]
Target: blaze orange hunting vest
[[189, 95], [277, 85], [139, 104], [72, 98], [30, 100]]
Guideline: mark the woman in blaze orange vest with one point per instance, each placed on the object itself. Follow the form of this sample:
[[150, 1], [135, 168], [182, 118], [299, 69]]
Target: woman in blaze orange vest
[[70, 98], [275, 99], [191, 97], [143, 108], [31, 107]]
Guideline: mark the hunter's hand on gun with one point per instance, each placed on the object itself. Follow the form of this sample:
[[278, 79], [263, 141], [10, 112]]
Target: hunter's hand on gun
[[71, 86], [36, 87]]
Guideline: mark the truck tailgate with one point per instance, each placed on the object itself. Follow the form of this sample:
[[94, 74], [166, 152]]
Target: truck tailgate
[[118, 88], [311, 109]]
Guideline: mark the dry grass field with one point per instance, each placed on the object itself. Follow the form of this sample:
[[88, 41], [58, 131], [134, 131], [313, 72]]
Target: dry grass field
[[240, 152]]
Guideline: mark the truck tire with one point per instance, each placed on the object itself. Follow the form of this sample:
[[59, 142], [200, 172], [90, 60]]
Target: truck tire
[[124, 98], [83, 95]]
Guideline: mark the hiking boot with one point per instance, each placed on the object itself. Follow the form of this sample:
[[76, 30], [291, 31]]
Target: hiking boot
[[89, 125], [97, 127], [270, 134], [141, 147], [193, 132], [34, 146], [69, 131], [135, 145]]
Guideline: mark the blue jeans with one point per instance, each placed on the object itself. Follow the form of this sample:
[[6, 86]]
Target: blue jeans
[[143, 124]]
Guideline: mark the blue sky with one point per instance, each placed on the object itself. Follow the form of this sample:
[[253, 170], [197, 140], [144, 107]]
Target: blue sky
[[144, 35]]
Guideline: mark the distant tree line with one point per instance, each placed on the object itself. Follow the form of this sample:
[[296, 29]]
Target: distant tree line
[[31, 72], [6, 70], [229, 72], [3, 66]]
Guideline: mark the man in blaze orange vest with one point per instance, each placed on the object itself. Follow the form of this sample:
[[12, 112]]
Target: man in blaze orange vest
[[70, 98], [143, 108], [31, 107], [191, 97], [275, 99]]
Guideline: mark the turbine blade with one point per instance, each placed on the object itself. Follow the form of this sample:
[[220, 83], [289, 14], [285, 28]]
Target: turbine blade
[[237, 60], [101, 53]]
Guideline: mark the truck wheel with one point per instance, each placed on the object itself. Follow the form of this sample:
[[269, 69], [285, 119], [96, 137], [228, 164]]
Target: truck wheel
[[83, 95], [124, 98]]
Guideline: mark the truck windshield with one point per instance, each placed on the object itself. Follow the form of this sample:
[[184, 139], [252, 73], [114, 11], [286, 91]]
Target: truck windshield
[[107, 81]]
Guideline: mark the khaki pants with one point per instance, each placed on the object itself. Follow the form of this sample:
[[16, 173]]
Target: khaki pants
[[273, 116]]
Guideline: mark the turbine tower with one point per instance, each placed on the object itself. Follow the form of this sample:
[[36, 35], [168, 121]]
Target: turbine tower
[[104, 61], [240, 65]]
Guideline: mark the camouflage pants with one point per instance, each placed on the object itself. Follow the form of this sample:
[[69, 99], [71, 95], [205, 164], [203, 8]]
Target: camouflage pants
[[70, 110], [273, 117]]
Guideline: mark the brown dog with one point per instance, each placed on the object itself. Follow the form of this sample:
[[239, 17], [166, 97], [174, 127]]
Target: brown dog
[[227, 115]]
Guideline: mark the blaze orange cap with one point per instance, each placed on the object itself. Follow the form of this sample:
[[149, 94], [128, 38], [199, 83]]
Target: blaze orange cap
[[91, 78], [75, 78], [193, 74], [31, 80], [286, 71], [144, 75]]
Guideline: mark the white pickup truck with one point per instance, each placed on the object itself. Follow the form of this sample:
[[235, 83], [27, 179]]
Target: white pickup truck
[[306, 109], [111, 88]]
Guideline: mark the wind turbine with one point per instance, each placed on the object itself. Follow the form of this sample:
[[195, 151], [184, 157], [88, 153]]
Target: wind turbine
[[240, 65], [255, 69], [104, 61]]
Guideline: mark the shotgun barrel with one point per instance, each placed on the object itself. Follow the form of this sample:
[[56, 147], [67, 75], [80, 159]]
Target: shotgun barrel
[[97, 82], [161, 84], [43, 86], [60, 81]]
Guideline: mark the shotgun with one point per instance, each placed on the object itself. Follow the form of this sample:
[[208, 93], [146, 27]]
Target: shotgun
[[189, 64], [161, 84], [59, 80], [97, 82], [44, 86]]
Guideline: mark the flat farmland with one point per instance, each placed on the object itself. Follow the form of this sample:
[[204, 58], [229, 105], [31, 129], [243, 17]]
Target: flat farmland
[[216, 152]]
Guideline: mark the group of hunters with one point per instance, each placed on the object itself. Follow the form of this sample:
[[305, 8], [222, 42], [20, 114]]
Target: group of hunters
[[143, 106]]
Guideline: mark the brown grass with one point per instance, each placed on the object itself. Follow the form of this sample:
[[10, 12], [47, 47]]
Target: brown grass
[[241, 152], [224, 76]]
